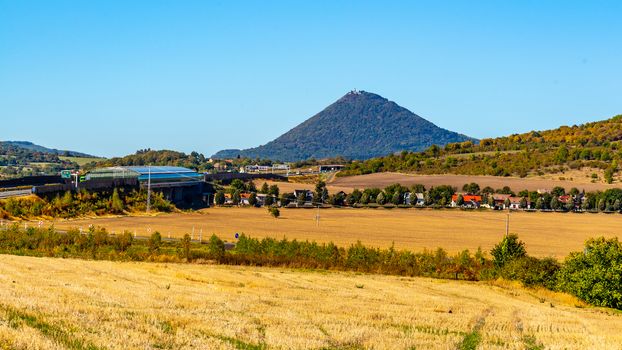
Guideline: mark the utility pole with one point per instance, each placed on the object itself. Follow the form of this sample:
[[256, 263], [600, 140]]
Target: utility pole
[[507, 225], [317, 216], [149, 189]]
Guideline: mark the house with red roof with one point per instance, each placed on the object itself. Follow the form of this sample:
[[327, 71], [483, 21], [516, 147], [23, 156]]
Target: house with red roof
[[470, 200]]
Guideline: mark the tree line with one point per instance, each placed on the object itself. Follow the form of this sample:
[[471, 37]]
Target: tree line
[[557, 199]]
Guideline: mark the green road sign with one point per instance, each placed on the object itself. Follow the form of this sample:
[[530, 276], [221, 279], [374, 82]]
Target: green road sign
[[65, 174]]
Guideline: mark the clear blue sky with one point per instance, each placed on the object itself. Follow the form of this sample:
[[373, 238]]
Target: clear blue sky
[[110, 77]]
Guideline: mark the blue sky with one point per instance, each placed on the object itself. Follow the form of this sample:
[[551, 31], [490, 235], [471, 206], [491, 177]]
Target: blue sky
[[110, 77]]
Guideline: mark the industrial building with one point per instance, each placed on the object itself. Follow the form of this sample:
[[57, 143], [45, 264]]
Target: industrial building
[[178, 185]]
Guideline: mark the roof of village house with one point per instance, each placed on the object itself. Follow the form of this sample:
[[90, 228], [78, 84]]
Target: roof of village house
[[467, 198]]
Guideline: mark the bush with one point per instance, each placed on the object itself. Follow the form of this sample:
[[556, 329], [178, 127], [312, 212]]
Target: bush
[[274, 211], [595, 275], [508, 249], [185, 244], [532, 271], [216, 248], [154, 243]]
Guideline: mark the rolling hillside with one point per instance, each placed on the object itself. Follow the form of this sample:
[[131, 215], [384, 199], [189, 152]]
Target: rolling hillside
[[41, 149], [594, 148], [359, 125]]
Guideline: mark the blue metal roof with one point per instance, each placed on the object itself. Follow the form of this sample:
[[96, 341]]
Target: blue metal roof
[[145, 170]]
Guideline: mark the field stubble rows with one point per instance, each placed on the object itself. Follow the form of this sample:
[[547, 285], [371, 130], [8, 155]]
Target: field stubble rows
[[51, 303]]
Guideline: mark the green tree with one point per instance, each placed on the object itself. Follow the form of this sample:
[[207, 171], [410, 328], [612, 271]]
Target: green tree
[[237, 185], [274, 191], [275, 212], [380, 198], [602, 205], [595, 275], [301, 199], [608, 175], [236, 197], [508, 249], [219, 198], [216, 248], [364, 198], [555, 203], [252, 199], [67, 200], [397, 198], [264, 188], [570, 204], [155, 242], [319, 194], [558, 191], [124, 241], [185, 244], [117, 202], [286, 198], [460, 200]]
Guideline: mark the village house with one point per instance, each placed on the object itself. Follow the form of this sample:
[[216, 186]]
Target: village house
[[499, 200], [244, 199], [308, 195], [416, 199], [470, 200], [515, 203]]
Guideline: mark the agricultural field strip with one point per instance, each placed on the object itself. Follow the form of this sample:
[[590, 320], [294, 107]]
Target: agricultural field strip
[[545, 234], [382, 180], [138, 305]]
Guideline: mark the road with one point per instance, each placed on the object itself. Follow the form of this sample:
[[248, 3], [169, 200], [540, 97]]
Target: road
[[15, 193]]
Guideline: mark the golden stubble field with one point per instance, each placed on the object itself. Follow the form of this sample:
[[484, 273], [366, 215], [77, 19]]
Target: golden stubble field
[[381, 180], [48, 303], [545, 234]]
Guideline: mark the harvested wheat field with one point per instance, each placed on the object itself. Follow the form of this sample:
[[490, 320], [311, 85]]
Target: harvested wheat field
[[48, 303], [545, 234], [382, 180], [291, 186]]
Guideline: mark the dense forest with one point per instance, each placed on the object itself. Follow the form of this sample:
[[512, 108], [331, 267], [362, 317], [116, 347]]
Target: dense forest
[[593, 145], [360, 125]]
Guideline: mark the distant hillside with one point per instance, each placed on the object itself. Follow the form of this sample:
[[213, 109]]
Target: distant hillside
[[193, 160], [360, 125], [595, 147], [16, 161], [36, 148]]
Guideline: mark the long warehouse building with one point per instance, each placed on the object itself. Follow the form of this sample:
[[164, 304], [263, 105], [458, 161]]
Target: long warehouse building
[[178, 185]]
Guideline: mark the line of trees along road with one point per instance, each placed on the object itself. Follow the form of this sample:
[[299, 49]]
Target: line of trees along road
[[557, 199]]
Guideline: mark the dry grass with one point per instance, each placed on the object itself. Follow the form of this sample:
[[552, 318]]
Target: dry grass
[[545, 234], [50, 303], [381, 180], [291, 186]]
